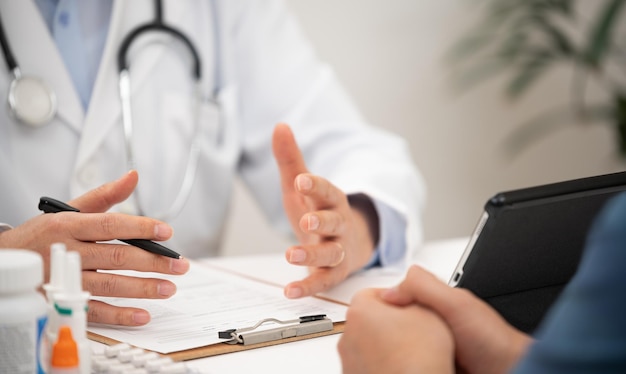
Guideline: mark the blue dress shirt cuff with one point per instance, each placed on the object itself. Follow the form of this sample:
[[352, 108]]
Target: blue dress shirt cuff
[[391, 247], [4, 227]]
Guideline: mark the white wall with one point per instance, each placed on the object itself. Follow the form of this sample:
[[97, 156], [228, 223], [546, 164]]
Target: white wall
[[389, 55]]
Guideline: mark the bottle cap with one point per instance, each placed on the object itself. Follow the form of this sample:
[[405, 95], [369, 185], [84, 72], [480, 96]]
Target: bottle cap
[[20, 270], [65, 350]]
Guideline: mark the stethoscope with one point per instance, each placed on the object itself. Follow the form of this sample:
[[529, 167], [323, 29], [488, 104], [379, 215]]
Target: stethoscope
[[33, 103], [30, 100]]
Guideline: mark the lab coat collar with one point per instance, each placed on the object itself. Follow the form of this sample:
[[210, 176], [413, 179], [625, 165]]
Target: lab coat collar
[[37, 55]]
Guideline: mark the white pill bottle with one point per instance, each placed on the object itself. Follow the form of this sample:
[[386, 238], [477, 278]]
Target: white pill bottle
[[22, 312]]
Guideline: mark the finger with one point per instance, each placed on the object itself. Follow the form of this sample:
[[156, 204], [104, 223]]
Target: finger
[[105, 256], [102, 198], [114, 285], [113, 315], [109, 226], [320, 191], [421, 286], [326, 254], [288, 156], [366, 295], [321, 279], [323, 222]]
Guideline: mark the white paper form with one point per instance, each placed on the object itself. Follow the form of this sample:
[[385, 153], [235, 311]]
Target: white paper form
[[207, 301]]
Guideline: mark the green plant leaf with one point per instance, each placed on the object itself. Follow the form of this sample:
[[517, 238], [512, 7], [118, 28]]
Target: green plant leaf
[[527, 38], [561, 6], [467, 48], [513, 46], [478, 73], [486, 32], [564, 6], [536, 64], [557, 38], [502, 10], [600, 37]]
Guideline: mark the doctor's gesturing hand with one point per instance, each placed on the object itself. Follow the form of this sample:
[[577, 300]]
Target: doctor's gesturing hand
[[337, 235], [82, 231]]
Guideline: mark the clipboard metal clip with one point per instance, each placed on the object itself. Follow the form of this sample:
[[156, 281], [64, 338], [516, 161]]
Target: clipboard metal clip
[[296, 327]]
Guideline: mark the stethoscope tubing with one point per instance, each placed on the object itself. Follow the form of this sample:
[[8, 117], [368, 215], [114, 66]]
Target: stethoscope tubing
[[122, 61], [6, 49], [125, 95]]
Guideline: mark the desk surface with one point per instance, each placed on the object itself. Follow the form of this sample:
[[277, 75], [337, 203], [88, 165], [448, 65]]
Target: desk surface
[[318, 355]]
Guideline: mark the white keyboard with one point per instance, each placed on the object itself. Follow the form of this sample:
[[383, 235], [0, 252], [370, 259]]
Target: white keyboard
[[125, 359]]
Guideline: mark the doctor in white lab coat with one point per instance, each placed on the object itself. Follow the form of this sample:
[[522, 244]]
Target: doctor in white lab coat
[[345, 185]]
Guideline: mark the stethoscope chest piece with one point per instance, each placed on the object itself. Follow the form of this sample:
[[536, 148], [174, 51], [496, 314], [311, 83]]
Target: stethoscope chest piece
[[31, 101]]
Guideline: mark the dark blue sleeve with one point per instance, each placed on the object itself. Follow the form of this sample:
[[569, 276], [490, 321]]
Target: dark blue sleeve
[[585, 331]]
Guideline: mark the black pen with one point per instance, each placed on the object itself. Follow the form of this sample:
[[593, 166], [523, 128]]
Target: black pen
[[50, 205]]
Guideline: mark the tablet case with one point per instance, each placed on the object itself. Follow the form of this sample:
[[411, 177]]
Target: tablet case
[[529, 243]]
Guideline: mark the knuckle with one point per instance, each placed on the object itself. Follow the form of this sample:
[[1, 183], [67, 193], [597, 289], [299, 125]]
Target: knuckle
[[464, 293], [147, 290], [158, 264], [352, 313], [464, 300], [303, 224], [146, 226], [345, 345], [122, 318], [341, 346], [327, 192], [413, 272], [108, 224], [93, 312], [89, 251], [118, 255], [90, 285], [333, 224], [57, 222], [109, 285], [105, 313], [326, 284]]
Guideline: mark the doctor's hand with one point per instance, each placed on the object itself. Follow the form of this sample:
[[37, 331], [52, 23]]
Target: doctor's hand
[[382, 338], [82, 231], [336, 238], [484, 342]]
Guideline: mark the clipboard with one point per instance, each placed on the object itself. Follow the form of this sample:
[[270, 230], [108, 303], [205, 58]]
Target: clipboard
[[285, 330], [223, 348]]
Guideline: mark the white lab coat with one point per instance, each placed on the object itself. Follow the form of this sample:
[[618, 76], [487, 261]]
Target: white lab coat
[[269, 74]]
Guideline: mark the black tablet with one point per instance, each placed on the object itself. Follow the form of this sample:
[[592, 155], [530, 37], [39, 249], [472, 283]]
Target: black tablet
[[528, 243]]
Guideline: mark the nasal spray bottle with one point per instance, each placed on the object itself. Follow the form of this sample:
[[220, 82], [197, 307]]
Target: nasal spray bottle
[[70, 304], [57, 274]]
